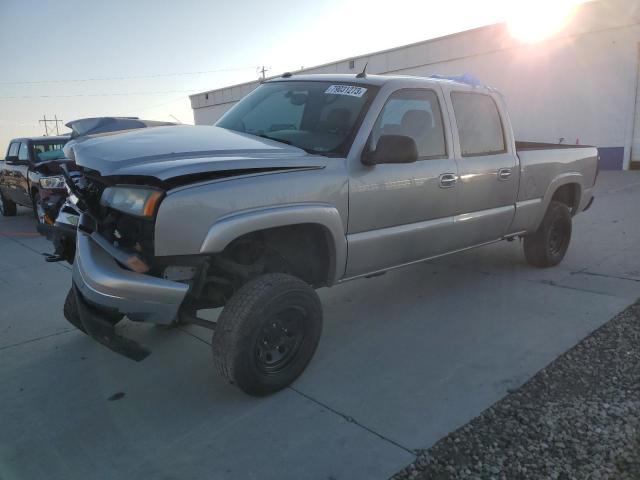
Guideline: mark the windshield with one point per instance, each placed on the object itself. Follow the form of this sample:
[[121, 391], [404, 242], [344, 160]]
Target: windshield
[[43, 151], [319, 117]]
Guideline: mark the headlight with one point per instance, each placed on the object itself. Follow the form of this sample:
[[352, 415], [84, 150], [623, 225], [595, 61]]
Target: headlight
[[138, 201], [52, 182]]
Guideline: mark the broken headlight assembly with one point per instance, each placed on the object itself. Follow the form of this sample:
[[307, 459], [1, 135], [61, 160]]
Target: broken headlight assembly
[[137, 201], [55, 182]]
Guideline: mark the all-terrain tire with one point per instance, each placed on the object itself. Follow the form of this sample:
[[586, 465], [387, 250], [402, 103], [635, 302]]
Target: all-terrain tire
[[8, 208], [267, 333], [35, 201], [548, 245]]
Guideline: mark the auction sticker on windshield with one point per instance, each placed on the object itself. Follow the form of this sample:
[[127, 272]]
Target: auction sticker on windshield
[[350, 90]]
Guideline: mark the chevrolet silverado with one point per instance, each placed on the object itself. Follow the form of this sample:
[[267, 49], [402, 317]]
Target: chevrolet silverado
[[308, 182]]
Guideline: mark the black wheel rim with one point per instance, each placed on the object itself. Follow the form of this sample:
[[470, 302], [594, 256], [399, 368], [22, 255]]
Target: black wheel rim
[[280, 339], [558, 236]]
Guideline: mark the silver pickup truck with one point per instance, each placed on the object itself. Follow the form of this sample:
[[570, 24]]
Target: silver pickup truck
[[308, 182]]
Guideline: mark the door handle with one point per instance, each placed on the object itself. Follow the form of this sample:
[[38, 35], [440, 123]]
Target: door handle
[[504, 174], [448, 180]]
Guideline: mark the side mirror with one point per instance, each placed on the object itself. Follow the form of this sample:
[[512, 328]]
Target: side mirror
[[12, 160], [392, 149]]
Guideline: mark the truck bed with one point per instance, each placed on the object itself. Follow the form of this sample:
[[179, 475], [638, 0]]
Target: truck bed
[[521, 146]]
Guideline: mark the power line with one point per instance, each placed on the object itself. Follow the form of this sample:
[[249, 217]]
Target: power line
[[123, 94], [156, 105], [132, 77]]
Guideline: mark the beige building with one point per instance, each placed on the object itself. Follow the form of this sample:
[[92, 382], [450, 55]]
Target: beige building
[[579, 86]]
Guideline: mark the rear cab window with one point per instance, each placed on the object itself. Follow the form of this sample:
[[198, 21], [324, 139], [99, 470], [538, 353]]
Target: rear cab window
[[479, 124], [43, 151]]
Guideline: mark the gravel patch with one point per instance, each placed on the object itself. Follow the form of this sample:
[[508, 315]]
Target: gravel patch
[[578, 418]]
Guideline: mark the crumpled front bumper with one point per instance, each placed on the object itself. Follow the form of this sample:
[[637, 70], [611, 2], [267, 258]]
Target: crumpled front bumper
[[104, 283], [103, 288], [97, 325]]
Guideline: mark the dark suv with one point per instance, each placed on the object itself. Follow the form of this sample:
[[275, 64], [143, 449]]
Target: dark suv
[[30, 175]]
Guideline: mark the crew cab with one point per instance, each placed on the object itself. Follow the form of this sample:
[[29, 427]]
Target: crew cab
[[30, 175], [308, 182]]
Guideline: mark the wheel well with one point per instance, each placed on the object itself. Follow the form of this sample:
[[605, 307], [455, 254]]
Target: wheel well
[[568, 194], [302, 250]]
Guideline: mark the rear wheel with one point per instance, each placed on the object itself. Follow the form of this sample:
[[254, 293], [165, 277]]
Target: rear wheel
[[267, 333], [548, 245], [7, 207]]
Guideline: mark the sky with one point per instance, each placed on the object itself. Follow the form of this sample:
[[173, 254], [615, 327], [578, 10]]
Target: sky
[[85, 58]]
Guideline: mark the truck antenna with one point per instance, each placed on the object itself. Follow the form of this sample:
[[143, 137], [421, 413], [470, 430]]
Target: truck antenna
[[363, 73]]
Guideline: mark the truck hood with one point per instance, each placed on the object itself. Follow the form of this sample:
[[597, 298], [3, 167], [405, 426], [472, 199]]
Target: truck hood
[[174, 151]]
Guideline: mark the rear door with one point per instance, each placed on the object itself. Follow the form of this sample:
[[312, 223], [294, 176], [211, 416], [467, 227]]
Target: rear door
[[488, 167], [401, 213]]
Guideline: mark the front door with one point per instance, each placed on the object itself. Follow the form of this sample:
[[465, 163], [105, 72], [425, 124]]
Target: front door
[[21, 176], [7, 183], [489, 169], [401, 213]]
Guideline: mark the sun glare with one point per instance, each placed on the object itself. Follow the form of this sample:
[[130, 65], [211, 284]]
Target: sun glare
[[535, 21]]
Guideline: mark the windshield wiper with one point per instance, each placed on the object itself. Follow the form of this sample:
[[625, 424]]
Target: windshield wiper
[[287, 142]]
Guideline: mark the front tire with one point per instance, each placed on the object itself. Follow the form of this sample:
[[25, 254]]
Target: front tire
[[7, 207], [38, 211], [267, 333], [548, 245]]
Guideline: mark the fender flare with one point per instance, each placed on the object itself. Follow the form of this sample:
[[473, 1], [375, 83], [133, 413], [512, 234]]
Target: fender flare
[[557, 182], [226, 229]]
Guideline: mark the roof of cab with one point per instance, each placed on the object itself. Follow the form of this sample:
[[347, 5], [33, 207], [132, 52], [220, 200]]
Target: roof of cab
[[54, 138], [375, 80]]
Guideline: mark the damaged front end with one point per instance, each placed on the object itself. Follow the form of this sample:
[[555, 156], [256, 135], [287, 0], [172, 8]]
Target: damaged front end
[[114, 273]]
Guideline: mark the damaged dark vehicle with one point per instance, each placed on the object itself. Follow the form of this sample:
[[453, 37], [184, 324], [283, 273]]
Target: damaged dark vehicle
[[30, 176], [306, 182]]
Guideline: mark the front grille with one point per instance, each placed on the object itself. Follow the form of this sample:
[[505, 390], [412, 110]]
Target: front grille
[[127, 232]]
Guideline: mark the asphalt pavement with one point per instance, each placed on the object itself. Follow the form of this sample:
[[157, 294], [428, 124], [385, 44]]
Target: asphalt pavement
[[405, 359]]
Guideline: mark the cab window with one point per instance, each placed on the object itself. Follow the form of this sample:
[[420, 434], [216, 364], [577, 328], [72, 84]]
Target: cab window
[[13, 149], [43, 151], [479, 125], [23, 153], [415, 114]]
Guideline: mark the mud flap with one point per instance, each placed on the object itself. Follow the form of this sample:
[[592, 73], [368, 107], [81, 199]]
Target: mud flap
[[104, 332]]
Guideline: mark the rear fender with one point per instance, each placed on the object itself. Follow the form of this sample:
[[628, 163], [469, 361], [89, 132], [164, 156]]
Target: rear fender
[[556, 183]]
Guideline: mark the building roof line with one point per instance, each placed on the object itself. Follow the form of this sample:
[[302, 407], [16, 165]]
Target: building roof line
[[504, 49], [365, 55], [502, 25]]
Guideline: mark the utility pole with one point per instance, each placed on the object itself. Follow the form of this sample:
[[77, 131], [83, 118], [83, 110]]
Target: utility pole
[[46, 122], [262, 71]]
